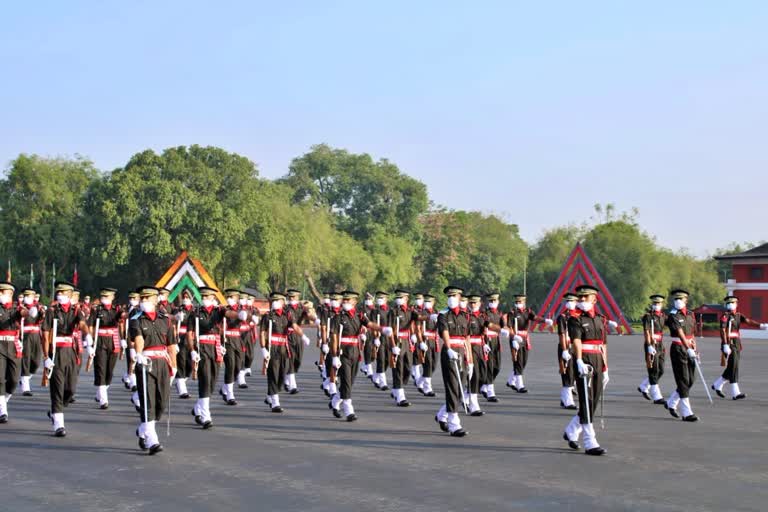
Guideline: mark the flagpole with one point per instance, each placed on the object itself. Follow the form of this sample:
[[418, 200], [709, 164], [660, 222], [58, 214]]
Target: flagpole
[[53, 282], [31, 275]]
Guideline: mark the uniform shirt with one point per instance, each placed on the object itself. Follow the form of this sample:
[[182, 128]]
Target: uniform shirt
[[233, 324], [681, 319], [108, 317], [477, 323], [524, 317], [68, 320], [406, 316], [494, 316], [210, 318], [381, 315], [9, 318], [562, 321], [654, 322], [588, 326], [282, 320], [298, 313], [455, 321], [352, 323], [157, 329], [735, 318]]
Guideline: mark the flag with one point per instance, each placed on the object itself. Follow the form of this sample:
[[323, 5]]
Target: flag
[[8, 274], [74, 276]]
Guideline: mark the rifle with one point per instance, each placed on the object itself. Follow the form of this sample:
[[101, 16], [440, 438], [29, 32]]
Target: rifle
[[327, 340], [125, 337], [392, 356], [649, 357], [422, 354], [332, 373], [560, 362], [514, 350], [21, 336], [265, 363], [375, 352], [723, 358], [197, 341], [48, 373], [95, 344]]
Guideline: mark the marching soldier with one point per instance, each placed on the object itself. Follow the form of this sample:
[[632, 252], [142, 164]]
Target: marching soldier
[[653, 349], [493, 315], [588, 333], [428, 347], [275, 350], [154, 341], [416, 366], [323, 327], [250, 339], [368, 309], [478, 372], [32, 342], [109, 341], [565, 351], [234, 351], [62, 352], [683, 355], [205, 351], [402, 343], [162, 301], [519, 320], [329, 387], [346, 329], [246, 338], [183, 356], [11, 350], [453, 328], [129, 378], [730, 343], [381, 316], [296, 342]]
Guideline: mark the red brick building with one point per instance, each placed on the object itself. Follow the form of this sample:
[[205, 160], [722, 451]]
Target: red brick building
[[750, 284]]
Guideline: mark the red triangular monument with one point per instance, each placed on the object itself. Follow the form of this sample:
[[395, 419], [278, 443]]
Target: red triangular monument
[[579, 270]]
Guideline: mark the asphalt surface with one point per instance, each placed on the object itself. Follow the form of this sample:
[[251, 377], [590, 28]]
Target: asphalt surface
[[397, 459]]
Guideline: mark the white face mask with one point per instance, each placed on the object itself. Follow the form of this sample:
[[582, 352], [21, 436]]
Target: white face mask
[[429, 305], [293, 302], [399, 301], [731, 306], [380, 302], [231, 301], [29, 301], [277, 304], [327, 302], [475, 308], [147, 307], [6, 298], [133, 303], [420, 302], [464, 304], [453, 302], [657, 307], [250, 302], [570, 305], [585, 305], [348, 306], [243, 302], [187, 302], [162, 298], [520, 305], [63, 299], [335, 304], [207, 303], [679, 303], [106, 301], [493, 305], [369, 303]]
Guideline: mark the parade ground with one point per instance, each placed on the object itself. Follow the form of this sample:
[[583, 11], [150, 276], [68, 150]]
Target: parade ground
[[397, 459]]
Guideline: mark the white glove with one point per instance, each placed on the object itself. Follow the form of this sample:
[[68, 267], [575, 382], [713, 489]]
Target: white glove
[[123, 344], [396, 351], [470, 370], [452, 354], [727, 350], [581, 367], [764, 327], [549, 322], [33, 312], [174, 371], [48, 363], [180, 316], [264, 353], [612, 324], [256, 320], [140, 359], [566, 356], [336, 362], [504, 333], [91, 351], [242, 315], [423, 347], [305, 340], [386, 330], [433, 317], [605, 378], [651, 350], [195, 356], [414, 338], [132, 354], [325, 348], [486, 348], [377, 343], [363, 338], [516, 342], [691, 353], [223, 350], [317, 322], [88, 340]]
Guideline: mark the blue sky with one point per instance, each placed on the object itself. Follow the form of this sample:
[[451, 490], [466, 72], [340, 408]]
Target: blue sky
[[531, 110]]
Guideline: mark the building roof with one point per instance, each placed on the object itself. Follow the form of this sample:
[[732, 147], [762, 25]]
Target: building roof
[[761, 251]]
